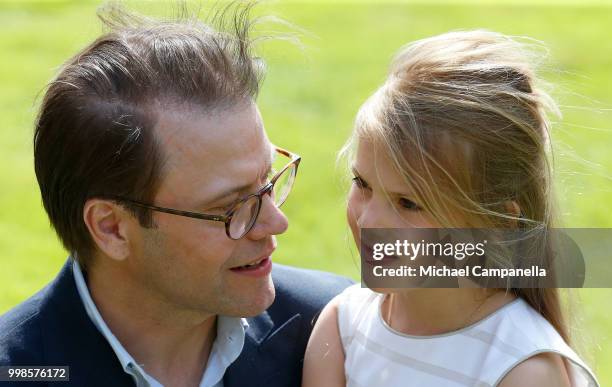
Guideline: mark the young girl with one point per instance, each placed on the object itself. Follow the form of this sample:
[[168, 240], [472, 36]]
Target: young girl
[[457, 136]]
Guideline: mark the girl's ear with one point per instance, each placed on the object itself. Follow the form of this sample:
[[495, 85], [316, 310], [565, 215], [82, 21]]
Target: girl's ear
[[513, 208]]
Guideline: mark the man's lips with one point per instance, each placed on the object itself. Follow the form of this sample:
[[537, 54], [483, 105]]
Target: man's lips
[[258, 270], [255, 261]]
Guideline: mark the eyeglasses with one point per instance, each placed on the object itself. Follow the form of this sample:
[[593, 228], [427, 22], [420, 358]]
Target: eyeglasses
[[241, 217]]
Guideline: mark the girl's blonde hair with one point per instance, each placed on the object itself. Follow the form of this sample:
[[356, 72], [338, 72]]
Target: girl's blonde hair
[[464, 121]]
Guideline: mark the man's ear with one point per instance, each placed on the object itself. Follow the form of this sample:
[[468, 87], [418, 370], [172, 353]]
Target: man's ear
[[108, 224]]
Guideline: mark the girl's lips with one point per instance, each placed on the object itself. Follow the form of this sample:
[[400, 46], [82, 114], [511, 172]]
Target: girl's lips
[[367, 256]]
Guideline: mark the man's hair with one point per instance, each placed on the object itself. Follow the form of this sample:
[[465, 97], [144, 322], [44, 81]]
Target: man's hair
[[94, 134]]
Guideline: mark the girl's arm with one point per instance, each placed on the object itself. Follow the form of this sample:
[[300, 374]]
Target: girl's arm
[[324, 358]]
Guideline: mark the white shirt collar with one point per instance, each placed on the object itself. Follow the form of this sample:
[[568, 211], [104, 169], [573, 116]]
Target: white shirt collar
[[226, 348]]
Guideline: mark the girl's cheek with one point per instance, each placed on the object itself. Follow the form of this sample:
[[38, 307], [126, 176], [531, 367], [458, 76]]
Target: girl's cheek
[[353, 209]]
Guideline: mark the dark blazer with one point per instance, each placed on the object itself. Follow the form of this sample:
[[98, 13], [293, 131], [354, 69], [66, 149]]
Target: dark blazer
[[52, 328]]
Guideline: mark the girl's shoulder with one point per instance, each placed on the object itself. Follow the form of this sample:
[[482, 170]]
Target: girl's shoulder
[[354, 299], [355, 292], [354, 306], [522, 330]]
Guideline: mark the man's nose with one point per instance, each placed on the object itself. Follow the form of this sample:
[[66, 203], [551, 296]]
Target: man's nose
[[271, 220]]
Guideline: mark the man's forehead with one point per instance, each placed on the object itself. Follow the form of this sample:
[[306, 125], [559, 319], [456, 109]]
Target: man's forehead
[[216, 131], [210, 153]]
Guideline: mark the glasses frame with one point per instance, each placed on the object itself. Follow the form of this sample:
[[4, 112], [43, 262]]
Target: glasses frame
[[227, 217]]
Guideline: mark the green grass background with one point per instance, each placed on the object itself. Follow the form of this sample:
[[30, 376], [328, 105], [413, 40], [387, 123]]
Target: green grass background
[[308, 101]]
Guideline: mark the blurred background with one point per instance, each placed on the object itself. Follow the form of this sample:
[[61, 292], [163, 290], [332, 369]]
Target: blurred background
[[308, 101]]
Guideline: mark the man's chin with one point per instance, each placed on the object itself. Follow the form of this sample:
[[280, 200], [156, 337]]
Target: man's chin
[[254, 302]]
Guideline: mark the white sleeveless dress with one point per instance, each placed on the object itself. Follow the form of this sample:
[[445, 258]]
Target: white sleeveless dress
[[478, 355]]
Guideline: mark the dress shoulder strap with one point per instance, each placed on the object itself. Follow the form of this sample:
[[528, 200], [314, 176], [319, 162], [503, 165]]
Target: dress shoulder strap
[[353, 307]]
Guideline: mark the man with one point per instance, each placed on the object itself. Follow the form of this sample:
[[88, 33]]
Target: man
[[156, 173]]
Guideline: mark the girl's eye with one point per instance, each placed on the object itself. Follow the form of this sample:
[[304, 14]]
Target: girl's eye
[[359, 182], [408, 204]]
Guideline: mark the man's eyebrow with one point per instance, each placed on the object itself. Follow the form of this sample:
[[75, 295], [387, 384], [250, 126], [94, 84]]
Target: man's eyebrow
[[239, 189]]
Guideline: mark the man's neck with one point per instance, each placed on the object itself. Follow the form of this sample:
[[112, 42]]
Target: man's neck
[[171, 345]]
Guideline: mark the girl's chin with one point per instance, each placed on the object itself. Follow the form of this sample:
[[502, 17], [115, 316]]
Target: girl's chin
[[383, 290], [392, 290]]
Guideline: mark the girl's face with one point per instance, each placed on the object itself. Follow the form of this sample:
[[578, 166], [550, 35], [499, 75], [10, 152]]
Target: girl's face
[[378, 197]]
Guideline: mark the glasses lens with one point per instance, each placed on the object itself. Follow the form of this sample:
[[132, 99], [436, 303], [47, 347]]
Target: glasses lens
[[244, 217], [283, 185]]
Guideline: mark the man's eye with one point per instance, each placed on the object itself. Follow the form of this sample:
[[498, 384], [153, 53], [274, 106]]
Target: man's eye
[[409, 204], [221, 209], [358, 181], [217, 210]]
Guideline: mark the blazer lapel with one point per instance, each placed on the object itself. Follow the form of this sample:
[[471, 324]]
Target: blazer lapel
[[69, 337], [269, 357]]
